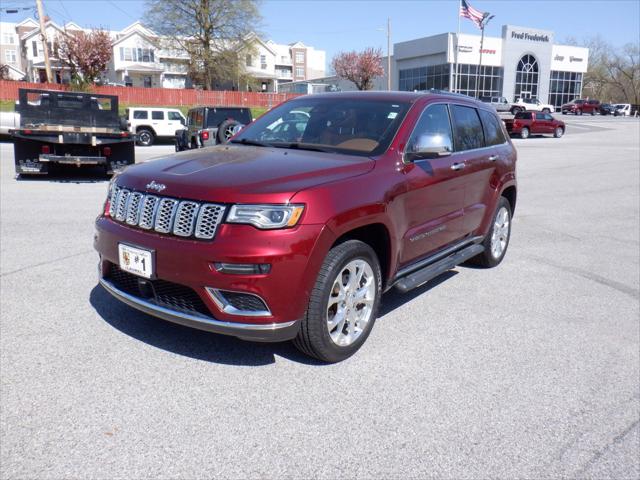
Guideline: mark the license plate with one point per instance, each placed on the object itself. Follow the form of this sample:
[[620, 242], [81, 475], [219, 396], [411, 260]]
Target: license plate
[[136, 260]]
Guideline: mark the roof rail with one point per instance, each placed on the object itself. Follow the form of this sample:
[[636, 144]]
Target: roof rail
[[444, 92]]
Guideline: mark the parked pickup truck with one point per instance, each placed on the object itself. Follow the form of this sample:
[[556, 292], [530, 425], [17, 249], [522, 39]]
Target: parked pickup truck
[[534, 123], [580, 106], [533, 105], [275, 240], [207, 126], [69, 128]]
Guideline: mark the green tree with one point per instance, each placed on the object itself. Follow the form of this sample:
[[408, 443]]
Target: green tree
[[212, 32]]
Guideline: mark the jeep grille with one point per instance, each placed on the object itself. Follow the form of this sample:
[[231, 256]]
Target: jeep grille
[[183, 218]]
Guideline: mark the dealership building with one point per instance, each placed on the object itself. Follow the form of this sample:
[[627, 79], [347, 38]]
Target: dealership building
[[522, 63]]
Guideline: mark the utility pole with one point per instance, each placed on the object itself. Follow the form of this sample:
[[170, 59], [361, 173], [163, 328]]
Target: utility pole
[[388, 53], [483, 24], [43, 36]]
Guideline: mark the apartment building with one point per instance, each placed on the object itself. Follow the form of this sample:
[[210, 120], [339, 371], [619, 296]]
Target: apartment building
[[141, 58]]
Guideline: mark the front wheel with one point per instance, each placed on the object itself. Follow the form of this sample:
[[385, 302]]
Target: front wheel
[[579, 112], [497, 240], [558, 132], [343, 304], [524, 133]]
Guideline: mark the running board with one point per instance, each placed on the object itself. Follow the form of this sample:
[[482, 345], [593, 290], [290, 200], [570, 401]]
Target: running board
[[422, 276]]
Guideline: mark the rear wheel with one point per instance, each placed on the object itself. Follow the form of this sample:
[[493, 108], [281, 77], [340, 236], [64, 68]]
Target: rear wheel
[[558, 132], [578, 112], [515, 110], [524, 133], [145, 137], [546, 110], [343, 304], [497, 240]]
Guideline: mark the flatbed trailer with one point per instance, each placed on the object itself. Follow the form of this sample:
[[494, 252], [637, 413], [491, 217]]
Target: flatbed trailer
[[69, 128]]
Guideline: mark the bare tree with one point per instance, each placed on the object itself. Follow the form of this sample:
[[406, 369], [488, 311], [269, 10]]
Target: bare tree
[[212, 32], [359, 67], [86, 54]]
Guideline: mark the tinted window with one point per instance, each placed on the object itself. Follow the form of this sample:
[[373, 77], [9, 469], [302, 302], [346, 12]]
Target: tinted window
[[156, 115], [523, 116], [434, 121], [216, 116], [492, 128], [548, 117], [140, 114], [174, 116], [467, 128], [540, 116]]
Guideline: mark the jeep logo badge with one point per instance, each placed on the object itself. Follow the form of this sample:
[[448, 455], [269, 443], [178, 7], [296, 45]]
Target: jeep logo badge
[[158, 187]]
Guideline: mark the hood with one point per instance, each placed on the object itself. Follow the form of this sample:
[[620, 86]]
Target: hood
[[242, 174]]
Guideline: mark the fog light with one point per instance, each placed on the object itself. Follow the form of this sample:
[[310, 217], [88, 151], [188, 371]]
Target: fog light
[[243, 268]]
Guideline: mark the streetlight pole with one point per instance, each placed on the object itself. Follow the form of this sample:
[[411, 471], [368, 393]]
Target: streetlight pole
[[388, 53], [483, 23]]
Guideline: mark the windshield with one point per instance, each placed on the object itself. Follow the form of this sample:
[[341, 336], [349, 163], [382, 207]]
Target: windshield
[[334, 124]]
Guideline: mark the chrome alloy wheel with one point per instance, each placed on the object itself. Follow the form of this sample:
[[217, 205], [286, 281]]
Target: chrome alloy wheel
[[500, 234], [350, 304]]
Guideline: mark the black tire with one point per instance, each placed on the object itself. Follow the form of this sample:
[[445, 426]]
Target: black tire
[[224, 130], [145, 137], [486, 259], [578, 112], [563, 112], [515, 110], [524, 133], [546, 110], [558, 132], [313, 338], [593, 112]]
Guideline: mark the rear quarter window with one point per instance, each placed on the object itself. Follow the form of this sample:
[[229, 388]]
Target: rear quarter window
[[467, 129], [523, 116], [492, 127], [140, 114]]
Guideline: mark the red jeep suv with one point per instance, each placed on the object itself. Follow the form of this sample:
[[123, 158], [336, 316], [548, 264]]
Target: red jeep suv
[[295, 228]]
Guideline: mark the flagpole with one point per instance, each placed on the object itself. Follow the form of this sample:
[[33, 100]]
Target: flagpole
[[456, 81], [480, 63]]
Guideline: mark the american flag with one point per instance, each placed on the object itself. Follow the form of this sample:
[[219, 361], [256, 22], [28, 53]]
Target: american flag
[[467, 11]]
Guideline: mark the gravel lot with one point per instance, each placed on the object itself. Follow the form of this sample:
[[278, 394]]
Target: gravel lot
[[529, 370]]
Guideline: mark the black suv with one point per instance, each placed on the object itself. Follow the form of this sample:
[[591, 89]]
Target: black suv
[[207, 126]]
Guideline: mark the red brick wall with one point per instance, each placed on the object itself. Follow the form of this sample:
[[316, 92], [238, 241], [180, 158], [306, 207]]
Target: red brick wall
[[162, 96]]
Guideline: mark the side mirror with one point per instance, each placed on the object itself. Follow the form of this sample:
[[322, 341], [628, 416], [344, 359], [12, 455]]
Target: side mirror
[[432, 145]]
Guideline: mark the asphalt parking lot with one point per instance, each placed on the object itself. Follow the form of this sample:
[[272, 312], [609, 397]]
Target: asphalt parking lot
[[529, 370]]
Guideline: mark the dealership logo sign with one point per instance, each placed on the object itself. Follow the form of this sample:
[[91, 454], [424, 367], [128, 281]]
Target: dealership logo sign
[[532, 37], [469, 49]]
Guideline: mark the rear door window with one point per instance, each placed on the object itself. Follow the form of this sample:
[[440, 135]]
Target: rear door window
[[140, 114], [540, 116], [492, 126], [467, 129], [157, 115]]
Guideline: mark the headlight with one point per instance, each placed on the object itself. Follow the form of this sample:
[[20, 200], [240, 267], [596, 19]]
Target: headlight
[[266, 216]]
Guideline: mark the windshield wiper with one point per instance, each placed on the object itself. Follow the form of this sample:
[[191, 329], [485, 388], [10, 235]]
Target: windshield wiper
[[303, 146], [255, 143]]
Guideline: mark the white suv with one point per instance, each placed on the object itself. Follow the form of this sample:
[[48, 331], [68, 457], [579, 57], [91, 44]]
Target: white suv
[[151, 123], [531, 104]]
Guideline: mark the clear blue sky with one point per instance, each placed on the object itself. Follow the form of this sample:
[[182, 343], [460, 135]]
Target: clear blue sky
[[346, 25]]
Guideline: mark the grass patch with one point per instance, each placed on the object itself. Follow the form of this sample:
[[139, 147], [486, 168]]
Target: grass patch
[[7, 105]]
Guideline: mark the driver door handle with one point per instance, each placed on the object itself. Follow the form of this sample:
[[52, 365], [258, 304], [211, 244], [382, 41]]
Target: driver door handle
[[458, 166], [493, 158]]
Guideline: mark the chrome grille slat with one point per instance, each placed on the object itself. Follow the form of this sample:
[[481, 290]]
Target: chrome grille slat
[[133, 208], [121, 209], [185, 218], [165, 215], [147, 214], [209, 218]]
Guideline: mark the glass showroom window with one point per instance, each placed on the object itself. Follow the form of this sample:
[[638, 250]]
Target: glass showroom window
[[424, 78], [489, 80], [526, 78], [564, 87]]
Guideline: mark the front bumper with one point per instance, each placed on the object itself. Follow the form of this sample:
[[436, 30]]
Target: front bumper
[[295, 256], [268, 332]]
